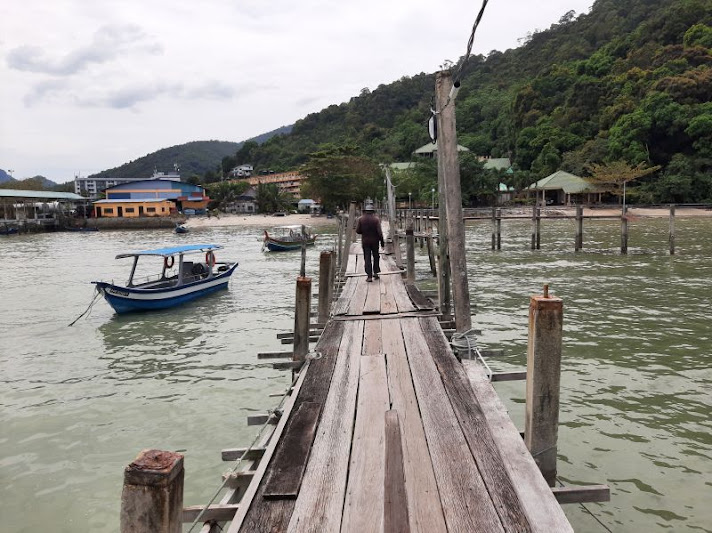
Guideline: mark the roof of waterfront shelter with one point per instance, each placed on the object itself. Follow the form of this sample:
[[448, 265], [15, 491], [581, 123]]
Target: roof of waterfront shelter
[[37, 195], [433, 147], [497, 163], [570, 183]]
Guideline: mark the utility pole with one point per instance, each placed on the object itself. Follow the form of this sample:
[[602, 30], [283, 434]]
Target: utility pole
[[449, 169]]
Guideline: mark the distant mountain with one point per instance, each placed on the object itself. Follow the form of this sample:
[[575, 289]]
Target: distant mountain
[[197, 157], [4, 176]]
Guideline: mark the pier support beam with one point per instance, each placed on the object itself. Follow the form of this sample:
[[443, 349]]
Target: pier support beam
[[672, 230], [624, 231], [578, 245], [326, 266], [301, 318], [152, 496], [543, 378]]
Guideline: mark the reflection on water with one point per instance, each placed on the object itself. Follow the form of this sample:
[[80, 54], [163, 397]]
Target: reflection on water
[[77, 404]]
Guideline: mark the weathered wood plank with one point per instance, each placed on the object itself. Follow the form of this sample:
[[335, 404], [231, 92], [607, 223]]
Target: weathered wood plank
[[274, 515], [509, 376], [372, 344], [342, 304], [395, 500], [463, 493], [400, 294], [424, 508], [290, 460], [233, 454], [218, 512], [363, 508], [474, 427], [419, 300], [358, 298], [388, 301], [543, 511], [372, 305], [320, 502], [582, 493]]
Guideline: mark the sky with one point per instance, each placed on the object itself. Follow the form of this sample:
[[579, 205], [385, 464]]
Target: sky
[[88, 85]]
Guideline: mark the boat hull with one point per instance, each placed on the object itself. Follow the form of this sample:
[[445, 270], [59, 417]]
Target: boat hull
[[275, 245], [129, 299]]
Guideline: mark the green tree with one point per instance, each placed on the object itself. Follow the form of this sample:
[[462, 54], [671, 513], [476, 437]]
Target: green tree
[[225, 192], [613, 177], [270, 199]]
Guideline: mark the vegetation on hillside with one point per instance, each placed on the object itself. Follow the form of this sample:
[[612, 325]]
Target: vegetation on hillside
[[628, 82]]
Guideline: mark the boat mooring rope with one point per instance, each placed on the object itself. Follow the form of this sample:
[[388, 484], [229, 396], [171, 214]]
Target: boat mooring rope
[[91, 304], [471, 347]]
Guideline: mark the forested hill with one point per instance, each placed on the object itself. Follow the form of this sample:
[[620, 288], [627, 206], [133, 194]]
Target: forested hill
[[629, 81]]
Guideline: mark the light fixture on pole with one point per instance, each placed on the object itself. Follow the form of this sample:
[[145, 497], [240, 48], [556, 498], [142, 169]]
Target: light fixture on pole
[[409, 202], [432, 199]]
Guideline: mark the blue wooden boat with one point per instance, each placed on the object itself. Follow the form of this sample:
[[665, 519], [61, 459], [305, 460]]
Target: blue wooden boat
[[179, 281], [180, 228], [285, 238]]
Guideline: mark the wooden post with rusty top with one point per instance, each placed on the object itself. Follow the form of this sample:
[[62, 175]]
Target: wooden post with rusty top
[[672, 230], [543, 378], [302, 309], [152, 496], [326, 260], [410, 250]]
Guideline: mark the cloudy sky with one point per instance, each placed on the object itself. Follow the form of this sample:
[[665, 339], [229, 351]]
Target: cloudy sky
[[87, 85]]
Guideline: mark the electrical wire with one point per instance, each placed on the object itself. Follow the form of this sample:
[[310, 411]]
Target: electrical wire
[[470, 42]]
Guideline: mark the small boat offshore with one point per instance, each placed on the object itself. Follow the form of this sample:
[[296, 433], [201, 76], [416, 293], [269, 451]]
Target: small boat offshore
[[284, 238], [178, 282]]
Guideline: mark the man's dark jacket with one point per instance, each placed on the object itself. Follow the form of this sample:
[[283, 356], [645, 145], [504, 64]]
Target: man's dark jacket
[[369, 227]]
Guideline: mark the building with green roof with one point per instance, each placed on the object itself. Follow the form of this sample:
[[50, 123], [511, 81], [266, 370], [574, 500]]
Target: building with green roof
[[562, 188]]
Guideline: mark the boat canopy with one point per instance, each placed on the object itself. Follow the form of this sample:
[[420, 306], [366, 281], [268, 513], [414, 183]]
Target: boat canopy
[[166, 252], [295, 226]]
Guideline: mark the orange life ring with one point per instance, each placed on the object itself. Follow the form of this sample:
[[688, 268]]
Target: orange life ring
[[167, 263], [210, 259]]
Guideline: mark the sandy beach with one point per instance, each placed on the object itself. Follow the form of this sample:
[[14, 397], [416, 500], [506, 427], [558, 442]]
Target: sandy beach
[[321, 221]]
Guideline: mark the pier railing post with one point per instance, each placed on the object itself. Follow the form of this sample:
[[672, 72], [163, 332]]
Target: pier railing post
[[325, 285], [152, 495], [499, 229], [624, 230], [494, 228], [410, 250], [578, 244], [348, 236], [301, 318], [672, 230], [543, 378]]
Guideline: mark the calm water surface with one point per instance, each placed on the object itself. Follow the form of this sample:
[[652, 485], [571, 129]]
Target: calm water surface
[[78, 403]]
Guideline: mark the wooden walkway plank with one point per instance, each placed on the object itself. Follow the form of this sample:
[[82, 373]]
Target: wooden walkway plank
[[344, 301], [273, 515], [425, 511], [319, 505], [363, 508], [474, 427], [358, 298], [400, 294], [459, 483], [372, 305], [421, 302], [285, 476], [388, 301], [372, 344], [395, 498], [544, 512]]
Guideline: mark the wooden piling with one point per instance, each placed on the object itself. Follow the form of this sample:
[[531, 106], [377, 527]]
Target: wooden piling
[[499, 229], [624, 230], [543, 378], [152, 495], [339, 249], [671, 238], [538, 228], [578, 245], [534, 227], [494, 228], [301, 318], [348, 233], [431, 255], [325, 285], [447, 152], [410, 250]]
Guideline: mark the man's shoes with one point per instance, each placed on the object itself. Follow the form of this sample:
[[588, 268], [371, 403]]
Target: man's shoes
[[375, 276], [369, 278]]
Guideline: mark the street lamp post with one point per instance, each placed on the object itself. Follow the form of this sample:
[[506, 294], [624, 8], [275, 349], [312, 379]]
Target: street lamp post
[[432, 199], [409, 204]]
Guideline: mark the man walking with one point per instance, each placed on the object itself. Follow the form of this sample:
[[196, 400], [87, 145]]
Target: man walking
[[369, 227]]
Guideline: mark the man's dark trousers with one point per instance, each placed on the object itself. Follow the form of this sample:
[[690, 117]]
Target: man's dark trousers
[[370, 254]]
